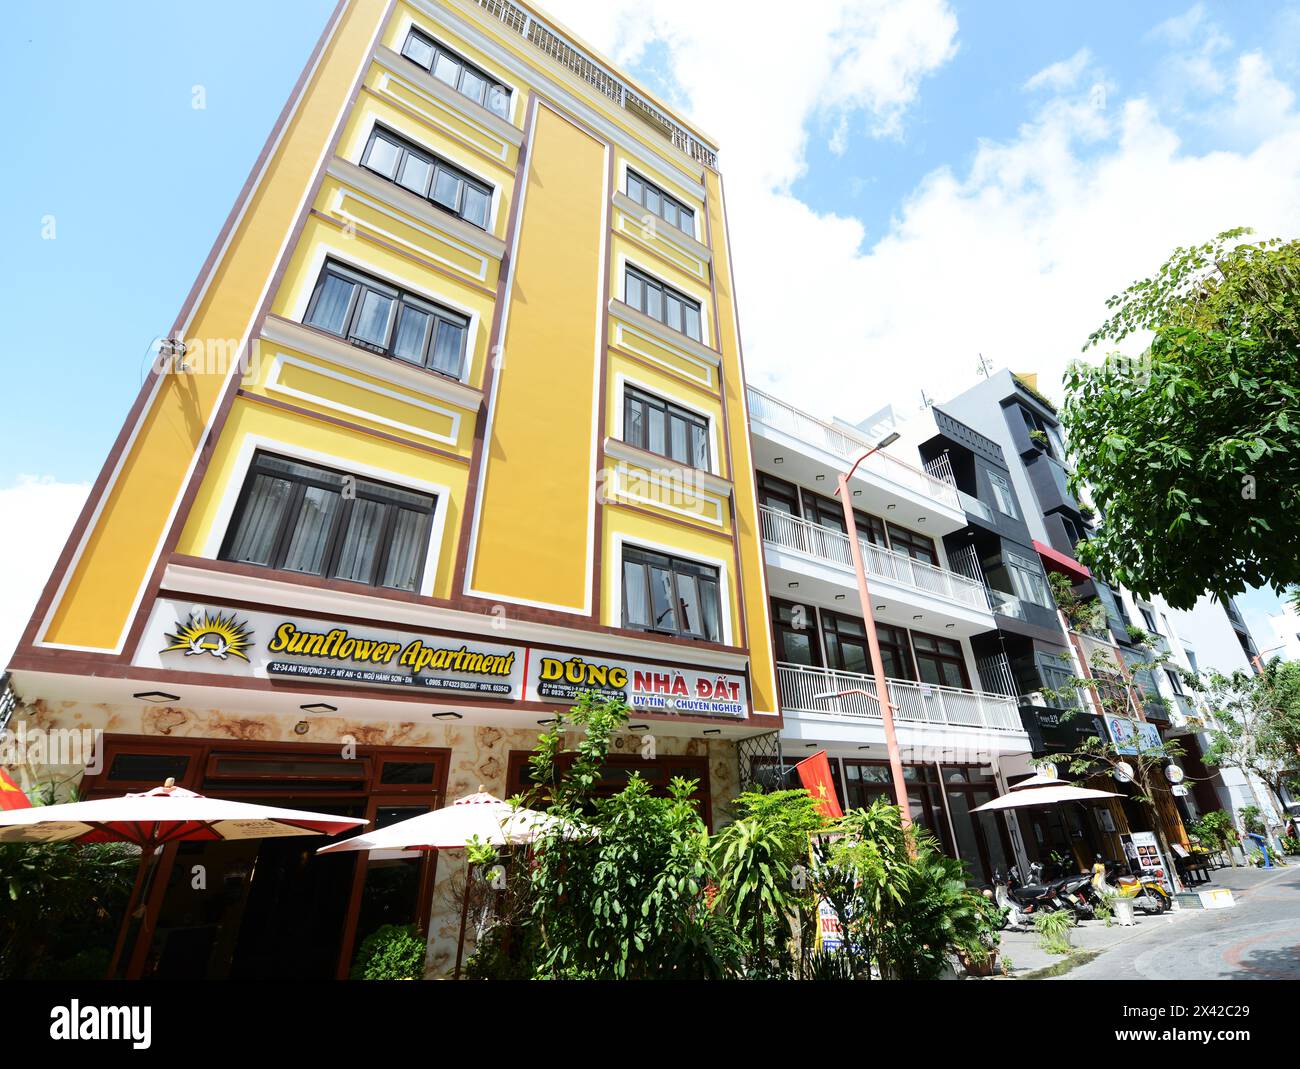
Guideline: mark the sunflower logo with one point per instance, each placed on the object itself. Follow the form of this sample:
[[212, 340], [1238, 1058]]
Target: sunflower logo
[[217, 634]]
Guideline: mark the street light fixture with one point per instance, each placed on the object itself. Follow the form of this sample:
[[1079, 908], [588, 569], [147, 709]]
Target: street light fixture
[[873, 640]]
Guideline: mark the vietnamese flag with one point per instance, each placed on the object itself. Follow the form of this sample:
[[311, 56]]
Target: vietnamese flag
[[815, 775], [11, 795]]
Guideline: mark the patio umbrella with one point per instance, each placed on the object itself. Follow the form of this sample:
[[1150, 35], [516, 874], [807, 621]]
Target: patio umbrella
[[155, 818], [452, 827], [1042, 790]]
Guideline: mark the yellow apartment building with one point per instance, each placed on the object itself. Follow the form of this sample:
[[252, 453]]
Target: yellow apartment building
[[451, 426]]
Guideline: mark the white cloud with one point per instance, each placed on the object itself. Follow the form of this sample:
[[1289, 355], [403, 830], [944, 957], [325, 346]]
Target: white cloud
[[1012, 254], [1062, 75], [38, 517]]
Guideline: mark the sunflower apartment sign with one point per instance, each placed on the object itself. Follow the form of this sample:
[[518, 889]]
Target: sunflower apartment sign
[[272, 646], [275, 646]]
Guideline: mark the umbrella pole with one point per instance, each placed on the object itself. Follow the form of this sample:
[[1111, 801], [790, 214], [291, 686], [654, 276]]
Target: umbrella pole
[[137, 888], [464, 914]]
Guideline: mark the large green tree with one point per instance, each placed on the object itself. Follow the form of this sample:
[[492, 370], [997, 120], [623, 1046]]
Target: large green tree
[[1192, 450]]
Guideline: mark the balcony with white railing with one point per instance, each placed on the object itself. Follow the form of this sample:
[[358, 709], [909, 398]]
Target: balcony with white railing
[[936, 486], [786, 532], [811, 690]]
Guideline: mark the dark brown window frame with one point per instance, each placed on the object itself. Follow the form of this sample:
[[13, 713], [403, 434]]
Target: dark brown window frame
[[406, 147], [465, 65], [648, 282], [671, 410], [335, 539], [403, 299], [663, 196], [698, 572]]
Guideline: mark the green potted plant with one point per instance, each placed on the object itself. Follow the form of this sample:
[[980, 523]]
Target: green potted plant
[[977, 948]]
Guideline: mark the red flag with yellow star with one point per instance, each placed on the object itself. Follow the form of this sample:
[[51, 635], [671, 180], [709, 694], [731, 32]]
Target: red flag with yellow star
[[815, 775], [11, 795]]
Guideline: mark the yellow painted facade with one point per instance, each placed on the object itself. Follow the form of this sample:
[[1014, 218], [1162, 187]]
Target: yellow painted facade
[[538, 494]]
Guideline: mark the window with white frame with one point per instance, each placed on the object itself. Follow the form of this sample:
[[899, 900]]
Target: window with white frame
[[1003, 495], [1027, 580]]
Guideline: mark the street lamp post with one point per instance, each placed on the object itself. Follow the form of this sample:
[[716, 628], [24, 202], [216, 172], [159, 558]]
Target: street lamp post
[[873, 640]]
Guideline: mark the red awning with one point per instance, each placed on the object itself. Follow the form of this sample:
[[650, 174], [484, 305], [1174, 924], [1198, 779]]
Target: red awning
[[1055, 561]]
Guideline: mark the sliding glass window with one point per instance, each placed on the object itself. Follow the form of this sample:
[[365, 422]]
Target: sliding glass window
[[298, 517], [670, 595], [673, 309], [385, 320], [460, 74]]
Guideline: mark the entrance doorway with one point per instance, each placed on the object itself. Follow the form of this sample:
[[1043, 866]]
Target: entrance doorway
[[271, 909]]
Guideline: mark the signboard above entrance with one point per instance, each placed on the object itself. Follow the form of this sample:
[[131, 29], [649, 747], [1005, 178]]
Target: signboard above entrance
[[201, 638]]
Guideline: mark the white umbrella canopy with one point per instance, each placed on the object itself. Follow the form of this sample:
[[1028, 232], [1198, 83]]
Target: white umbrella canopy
[[163, 815], [478, 815], [1041, 790]]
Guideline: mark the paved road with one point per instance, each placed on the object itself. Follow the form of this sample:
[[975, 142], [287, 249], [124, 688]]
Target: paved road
[[1259, 939]]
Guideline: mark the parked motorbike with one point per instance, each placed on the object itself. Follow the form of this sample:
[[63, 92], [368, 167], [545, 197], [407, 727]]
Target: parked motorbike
[[1021, 901], [1147, 892]]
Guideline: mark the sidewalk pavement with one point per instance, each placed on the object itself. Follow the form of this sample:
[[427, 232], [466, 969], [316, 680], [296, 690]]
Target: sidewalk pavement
[[1091, 937]]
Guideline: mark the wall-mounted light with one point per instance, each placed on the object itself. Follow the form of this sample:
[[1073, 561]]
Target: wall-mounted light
[[319, 707], [891, 507], [920, 519], [547, 723], [794, 586], [778, 460], [713, 731], [301, 728], [949, 626], [918, 616], [447, 714], [839, 597], [821, 478], [638, 727], [156, 696], [857, 493]]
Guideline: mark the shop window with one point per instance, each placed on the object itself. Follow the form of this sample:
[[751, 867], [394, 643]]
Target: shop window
[[662, 427], [427, 176], [153, 768], [671, 595], [460, 74], [302, 518], [657, 202], [669, 306], [387, 321]]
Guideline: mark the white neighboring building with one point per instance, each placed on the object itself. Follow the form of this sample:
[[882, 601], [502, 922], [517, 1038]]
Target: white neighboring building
[[1286, 632]]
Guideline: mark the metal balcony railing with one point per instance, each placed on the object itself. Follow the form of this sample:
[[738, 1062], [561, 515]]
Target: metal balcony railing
[[791, 532], [915, 703], [764, 408]]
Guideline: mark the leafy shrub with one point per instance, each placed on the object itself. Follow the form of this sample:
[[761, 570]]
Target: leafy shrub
[[1053, 930], [391, 952]]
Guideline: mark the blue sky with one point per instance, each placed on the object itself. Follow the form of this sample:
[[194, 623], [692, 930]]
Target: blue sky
[[962, 204]]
